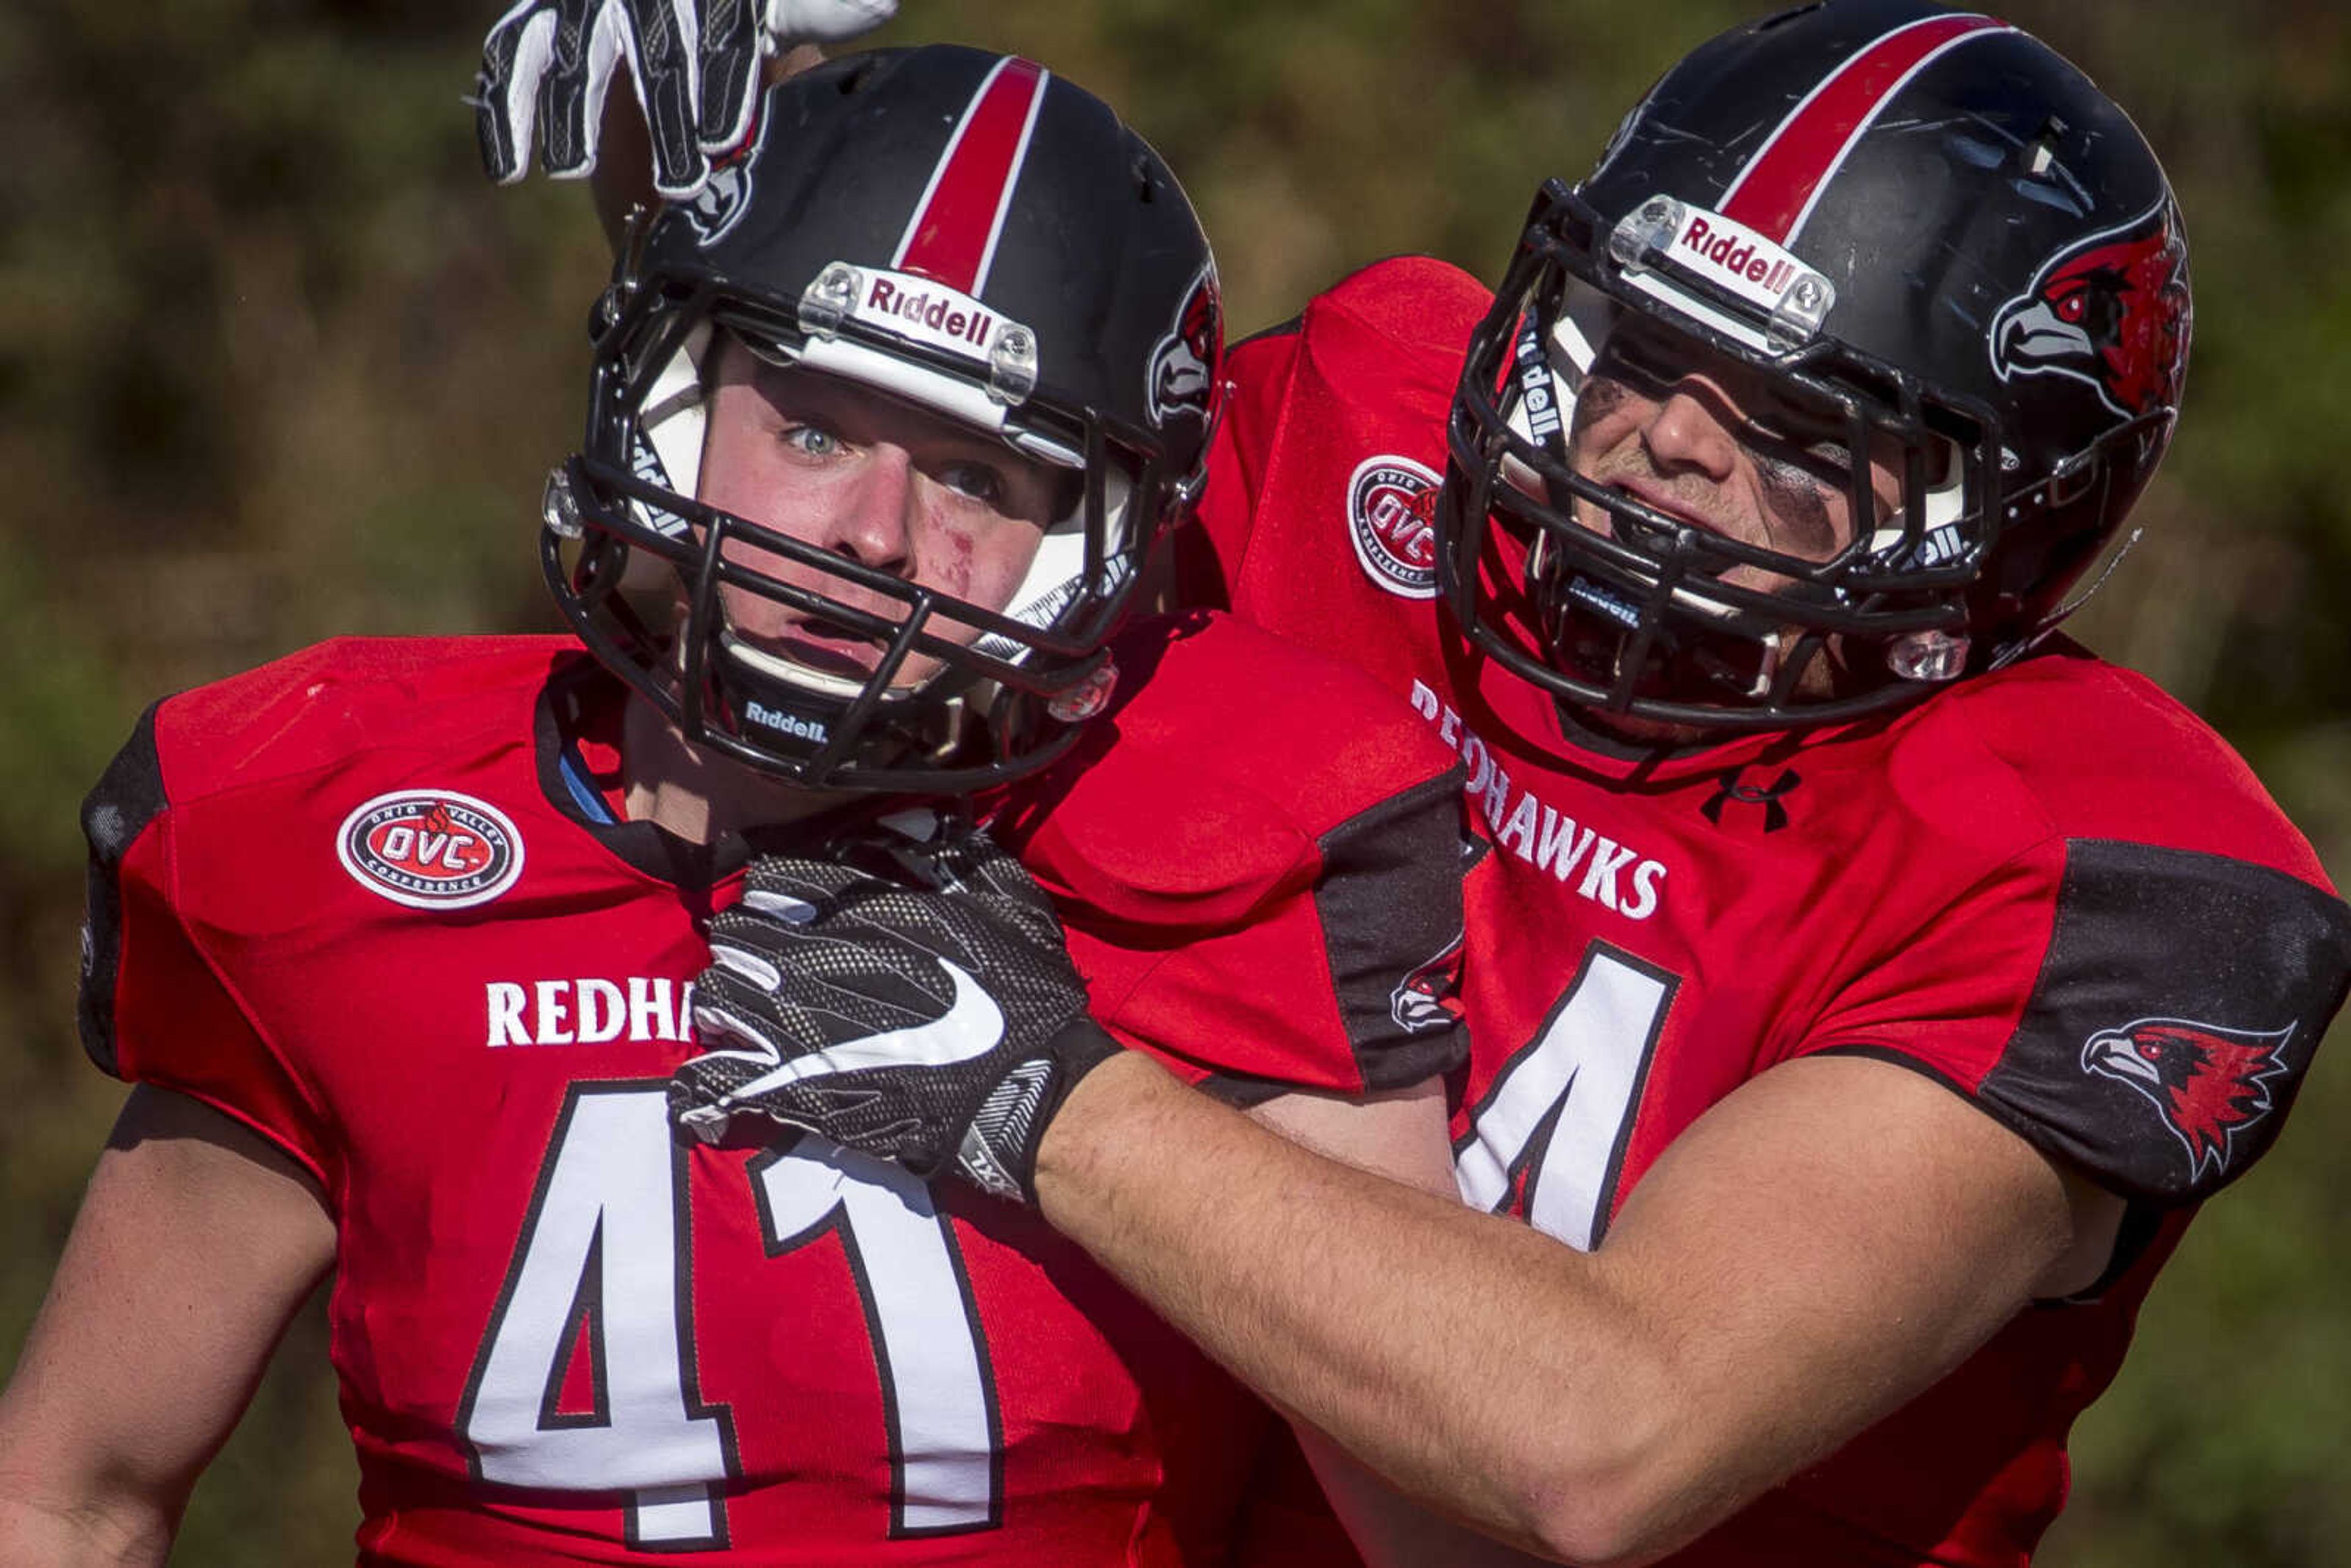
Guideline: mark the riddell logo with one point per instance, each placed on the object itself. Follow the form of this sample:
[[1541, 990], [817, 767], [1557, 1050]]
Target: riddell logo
[[940, 312], [1751, 264], [1739, 251], [431, 849], [783, 723]]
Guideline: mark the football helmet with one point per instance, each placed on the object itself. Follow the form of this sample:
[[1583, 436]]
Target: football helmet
[[1934, 243], [975, 237]]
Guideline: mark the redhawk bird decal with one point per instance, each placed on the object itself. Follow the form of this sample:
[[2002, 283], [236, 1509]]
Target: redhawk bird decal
[[2112, 312], [1182, 364], [1430, 996], [2209, 1083]]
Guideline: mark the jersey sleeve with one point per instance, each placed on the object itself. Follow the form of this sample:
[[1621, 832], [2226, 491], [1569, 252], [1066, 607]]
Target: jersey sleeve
[[1258, 862], [1210, 549], [1369, 367], [2143, 1013], [153, 1007], [1342, 976]]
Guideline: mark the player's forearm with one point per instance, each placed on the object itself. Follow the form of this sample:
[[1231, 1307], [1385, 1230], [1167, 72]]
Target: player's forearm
[[41, 1528], [1773, 1288], [1454, 1353]]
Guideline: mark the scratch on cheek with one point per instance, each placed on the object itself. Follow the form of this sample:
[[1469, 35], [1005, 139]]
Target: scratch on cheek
[[958, 561]]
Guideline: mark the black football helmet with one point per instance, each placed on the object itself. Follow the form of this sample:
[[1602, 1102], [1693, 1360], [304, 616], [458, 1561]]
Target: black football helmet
[[968, 234], [1926, 233]]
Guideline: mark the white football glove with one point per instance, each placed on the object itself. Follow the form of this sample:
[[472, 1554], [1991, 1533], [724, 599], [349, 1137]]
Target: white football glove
[[546, 64]]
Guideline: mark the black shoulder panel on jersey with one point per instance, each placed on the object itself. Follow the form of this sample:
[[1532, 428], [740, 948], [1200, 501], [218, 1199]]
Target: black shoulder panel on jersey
[[1389, 899], [129, 795], [2174, 1015]]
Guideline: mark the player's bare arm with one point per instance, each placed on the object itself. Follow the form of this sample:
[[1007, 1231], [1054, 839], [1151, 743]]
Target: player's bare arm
[[1773, 1286], [1400, 1136], [194, 1245], [1829, 1240]]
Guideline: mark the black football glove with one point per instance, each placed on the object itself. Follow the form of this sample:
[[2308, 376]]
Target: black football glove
[[546, 65], [910, 1000]]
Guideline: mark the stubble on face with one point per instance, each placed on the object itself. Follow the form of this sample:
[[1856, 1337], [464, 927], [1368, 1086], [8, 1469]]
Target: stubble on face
[[1770, 499]]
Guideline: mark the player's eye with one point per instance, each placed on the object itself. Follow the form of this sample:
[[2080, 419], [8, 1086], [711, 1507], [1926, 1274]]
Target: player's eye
[[1636, 356], [979, 482], [810, 440]]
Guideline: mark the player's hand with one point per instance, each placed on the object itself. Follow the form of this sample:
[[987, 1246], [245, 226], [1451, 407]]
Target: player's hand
[[546, 64], [910, 1001]]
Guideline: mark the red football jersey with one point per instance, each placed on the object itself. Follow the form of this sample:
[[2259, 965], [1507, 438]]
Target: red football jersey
[[2050, 889], [370, 901]]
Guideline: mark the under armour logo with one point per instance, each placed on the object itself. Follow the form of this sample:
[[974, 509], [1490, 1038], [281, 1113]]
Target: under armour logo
[[1775, 815]]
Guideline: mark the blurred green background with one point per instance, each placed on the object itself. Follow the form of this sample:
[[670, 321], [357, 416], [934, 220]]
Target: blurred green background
[[275, 363]]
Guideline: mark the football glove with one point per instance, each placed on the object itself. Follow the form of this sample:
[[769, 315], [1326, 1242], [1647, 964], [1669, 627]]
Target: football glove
[[910, 1001], [547, 64]]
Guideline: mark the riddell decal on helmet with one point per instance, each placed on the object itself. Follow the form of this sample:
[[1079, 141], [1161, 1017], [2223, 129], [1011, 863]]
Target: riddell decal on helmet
[[2111, 311], [1183, 363], [1392, 518], [431, 849], [2208, 1084]]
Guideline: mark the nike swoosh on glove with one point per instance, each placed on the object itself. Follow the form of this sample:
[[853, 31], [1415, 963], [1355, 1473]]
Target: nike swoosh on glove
[[913, 1001]]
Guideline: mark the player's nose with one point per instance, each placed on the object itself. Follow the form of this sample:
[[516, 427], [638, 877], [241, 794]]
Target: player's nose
[[875, 525], [1688, 430]]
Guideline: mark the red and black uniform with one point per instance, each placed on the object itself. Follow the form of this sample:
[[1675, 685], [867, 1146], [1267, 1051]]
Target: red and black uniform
[[372, 902], [2050, 889]]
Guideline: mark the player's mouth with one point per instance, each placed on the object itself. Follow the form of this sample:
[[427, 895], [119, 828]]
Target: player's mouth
[[819, 647], [1663, 500]]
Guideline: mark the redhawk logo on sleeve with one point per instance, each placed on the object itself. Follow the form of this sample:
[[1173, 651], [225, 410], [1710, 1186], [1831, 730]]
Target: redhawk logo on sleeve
[[431, 849], [2208, 1084], [1430, 996]]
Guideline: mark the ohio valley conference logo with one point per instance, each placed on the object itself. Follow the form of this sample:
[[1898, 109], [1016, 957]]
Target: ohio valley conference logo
[[431, 849], [1392, 521]]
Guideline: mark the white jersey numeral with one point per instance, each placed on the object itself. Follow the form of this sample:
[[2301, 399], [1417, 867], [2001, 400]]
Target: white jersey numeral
[[1560, 1110], [938, 1396], [603, 1272], [603, 1266]]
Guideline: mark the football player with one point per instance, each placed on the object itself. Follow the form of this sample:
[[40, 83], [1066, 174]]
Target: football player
[[396, 939], [1867, 983]]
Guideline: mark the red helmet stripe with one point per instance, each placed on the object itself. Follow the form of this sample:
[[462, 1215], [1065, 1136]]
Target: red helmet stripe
[[951, 238], [1775, 192]]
